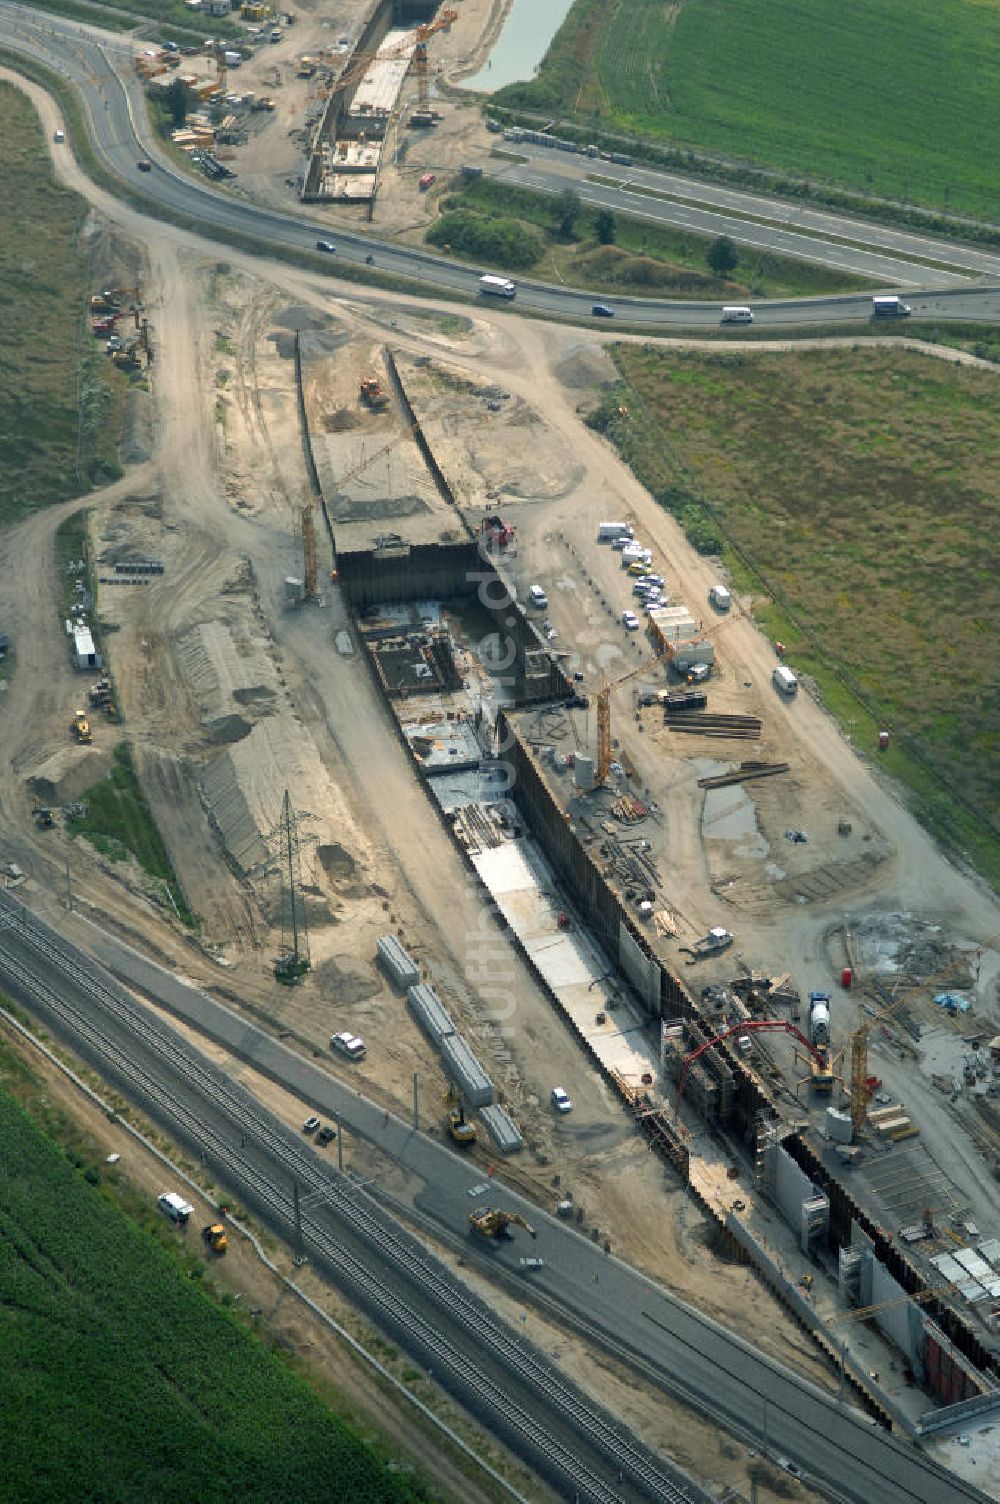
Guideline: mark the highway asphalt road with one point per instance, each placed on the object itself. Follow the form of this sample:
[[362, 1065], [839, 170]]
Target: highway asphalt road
[[683, 1351], [717, 209], [111, 96]]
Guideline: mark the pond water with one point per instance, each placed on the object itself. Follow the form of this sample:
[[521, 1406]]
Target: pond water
[[521, 45]]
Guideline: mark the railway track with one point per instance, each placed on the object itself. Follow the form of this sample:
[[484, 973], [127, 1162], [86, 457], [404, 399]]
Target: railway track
[[156, 1057]]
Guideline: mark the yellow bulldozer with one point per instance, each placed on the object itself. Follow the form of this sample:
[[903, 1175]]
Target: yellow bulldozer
[[215, 1237], [460, 1130], [81, 729], [490, 1222]]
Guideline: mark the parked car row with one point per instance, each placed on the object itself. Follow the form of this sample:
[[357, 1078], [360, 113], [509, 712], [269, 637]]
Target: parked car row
[[326, 1134], [637, 562]]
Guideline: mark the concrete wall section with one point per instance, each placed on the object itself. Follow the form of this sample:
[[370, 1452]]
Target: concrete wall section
[[421, 442], [458, 572], [900, 1320], [875, 1402], [602, 910], [844, 1213], [641, 968], [791, 1186], [423, 571], [975, 1411]]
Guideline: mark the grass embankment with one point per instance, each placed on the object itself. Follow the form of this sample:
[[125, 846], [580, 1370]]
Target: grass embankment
[[861, 491], [517, 229], [60, 398], [120, 1379], [178, 22], [894, 97], [119, 823]]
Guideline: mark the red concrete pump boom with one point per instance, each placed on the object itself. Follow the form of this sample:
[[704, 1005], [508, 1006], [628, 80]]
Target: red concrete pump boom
[[744, 1028]]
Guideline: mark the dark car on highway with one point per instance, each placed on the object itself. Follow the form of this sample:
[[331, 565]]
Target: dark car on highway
[[144, 166], [602, 311], [326, 245]]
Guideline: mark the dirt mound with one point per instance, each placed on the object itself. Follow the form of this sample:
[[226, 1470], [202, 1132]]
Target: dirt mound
[[343, 981], [299, 318], [255, 694], [284, 344], [335, 861], [354, 510], [227, 729], [342, 870], [137, 439], [340, 421], [611, 267], [68, 773]]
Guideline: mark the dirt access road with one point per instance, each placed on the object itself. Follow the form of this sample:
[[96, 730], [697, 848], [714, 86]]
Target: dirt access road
[[335, 698]]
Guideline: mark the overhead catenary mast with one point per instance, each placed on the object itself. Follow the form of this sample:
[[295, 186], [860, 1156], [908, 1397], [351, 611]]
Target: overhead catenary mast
[[293, 961]]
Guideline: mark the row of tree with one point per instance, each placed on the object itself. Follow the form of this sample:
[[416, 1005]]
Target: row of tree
[[722, 256]]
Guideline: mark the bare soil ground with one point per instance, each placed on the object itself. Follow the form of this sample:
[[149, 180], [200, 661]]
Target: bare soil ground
[[270, 164], [218, 495]]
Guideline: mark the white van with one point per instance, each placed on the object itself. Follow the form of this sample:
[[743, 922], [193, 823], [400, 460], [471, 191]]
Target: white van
[[60, 137], [737, 316], [720, 598], [175, 1207], [784, 681], [537, 597], [634, 553], [890, 308]]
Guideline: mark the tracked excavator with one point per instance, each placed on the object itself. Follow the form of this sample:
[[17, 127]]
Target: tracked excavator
[[490, 1222], [372, 394]]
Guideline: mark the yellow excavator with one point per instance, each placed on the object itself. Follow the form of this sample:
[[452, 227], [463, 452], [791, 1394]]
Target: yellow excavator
[[215, 1237], [460, 1130], [490, 1222], [372, 395]]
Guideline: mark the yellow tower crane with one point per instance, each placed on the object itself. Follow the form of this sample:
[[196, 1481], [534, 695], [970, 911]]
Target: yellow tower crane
[[364, 60], [441, 22], [603, 770], [859, 1066], [862, 1313], [859, 1048]]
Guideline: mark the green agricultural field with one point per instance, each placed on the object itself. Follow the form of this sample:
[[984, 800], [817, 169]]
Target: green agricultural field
[[896, 97], [862, 489], [120, 1379], [60, 400]]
